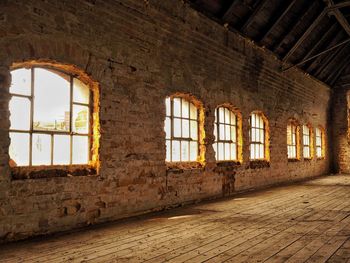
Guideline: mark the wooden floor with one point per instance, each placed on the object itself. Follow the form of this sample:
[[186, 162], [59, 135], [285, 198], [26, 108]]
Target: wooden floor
[[306, 222]]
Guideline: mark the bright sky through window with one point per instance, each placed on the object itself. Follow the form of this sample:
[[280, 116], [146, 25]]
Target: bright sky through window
[[50, 118]]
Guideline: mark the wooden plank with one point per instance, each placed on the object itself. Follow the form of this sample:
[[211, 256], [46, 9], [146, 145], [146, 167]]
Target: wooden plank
[[307, 221]]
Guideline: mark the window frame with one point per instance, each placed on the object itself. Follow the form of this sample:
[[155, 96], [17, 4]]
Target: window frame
[[265, 135], [181, 139], [320, 146], [293, 124], [217, 139], [90, 134], [309, 145]]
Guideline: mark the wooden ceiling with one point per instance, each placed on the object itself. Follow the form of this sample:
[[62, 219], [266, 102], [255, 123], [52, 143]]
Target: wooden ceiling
[[311, 34]]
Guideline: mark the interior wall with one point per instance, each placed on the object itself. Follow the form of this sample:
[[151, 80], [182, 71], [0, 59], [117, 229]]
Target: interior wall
[[140, 52]]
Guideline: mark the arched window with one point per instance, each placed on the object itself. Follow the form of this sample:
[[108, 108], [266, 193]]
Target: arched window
[[320, 149], [50, 118], [292, 140], [181, 130], [225, 132], [307, 142], [258, 137]]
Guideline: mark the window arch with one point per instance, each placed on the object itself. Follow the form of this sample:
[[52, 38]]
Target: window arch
[[307, 141], [227, 134], [182, 129], [53, 116], [258, 136], [293, 139], [320, 142]]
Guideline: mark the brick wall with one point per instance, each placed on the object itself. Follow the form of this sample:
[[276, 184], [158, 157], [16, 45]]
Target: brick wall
[[139, 53]]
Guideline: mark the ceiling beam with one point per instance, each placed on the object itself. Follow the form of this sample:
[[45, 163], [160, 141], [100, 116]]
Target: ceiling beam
[[329, 60], [339, 36], [279, 43], [314, 24], [340, 5], [229, 11], [278, 20], [252, 16], [319, 54], [321, 41], [333, 77], [338, 15]]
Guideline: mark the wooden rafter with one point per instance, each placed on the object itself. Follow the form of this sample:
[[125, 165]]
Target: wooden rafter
[[329, 59], [332, 78], [336, 39], [229, 11], [278, 20], [309, 30], [307, 12], [321, 41], [252, 16]]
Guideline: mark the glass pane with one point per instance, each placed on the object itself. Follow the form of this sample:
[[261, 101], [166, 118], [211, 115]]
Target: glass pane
[[81, 92], [61, 149], [221, 115], [261, 122], [253, 120], [185, 109], [20, 113], [193, 112], [185, 129], [177, 107], [222, 131], [177, 127], [252, 151], [233, 134], [233, 119], [185, 151], [227, 151], [41, 149], [253, 135], [167, 107], [80, 150], [81, 119], [227, 116], [261, 151], [233, 151], [227, 132], [175, 151], [21, 81], [193, 151], [220, 151], [261, 136], [19, 149], [194, 130], [51, 101], [168, 150], [167, 128]]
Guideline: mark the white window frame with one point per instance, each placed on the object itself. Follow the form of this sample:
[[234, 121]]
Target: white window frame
[[175, 139], [32, 131], [257, 137], [307, 137], [226, 134]]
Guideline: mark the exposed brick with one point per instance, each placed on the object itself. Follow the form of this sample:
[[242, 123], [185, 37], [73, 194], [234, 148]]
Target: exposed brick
[[139, 54]]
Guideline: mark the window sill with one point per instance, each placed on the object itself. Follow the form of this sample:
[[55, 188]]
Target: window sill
[[293, 160], [38, 172], [320, 158], [179, 167], [308, 159], [256, 164], [228, 163]]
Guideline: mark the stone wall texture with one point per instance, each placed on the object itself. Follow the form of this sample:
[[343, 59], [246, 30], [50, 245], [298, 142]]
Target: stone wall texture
[[140, 52]]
